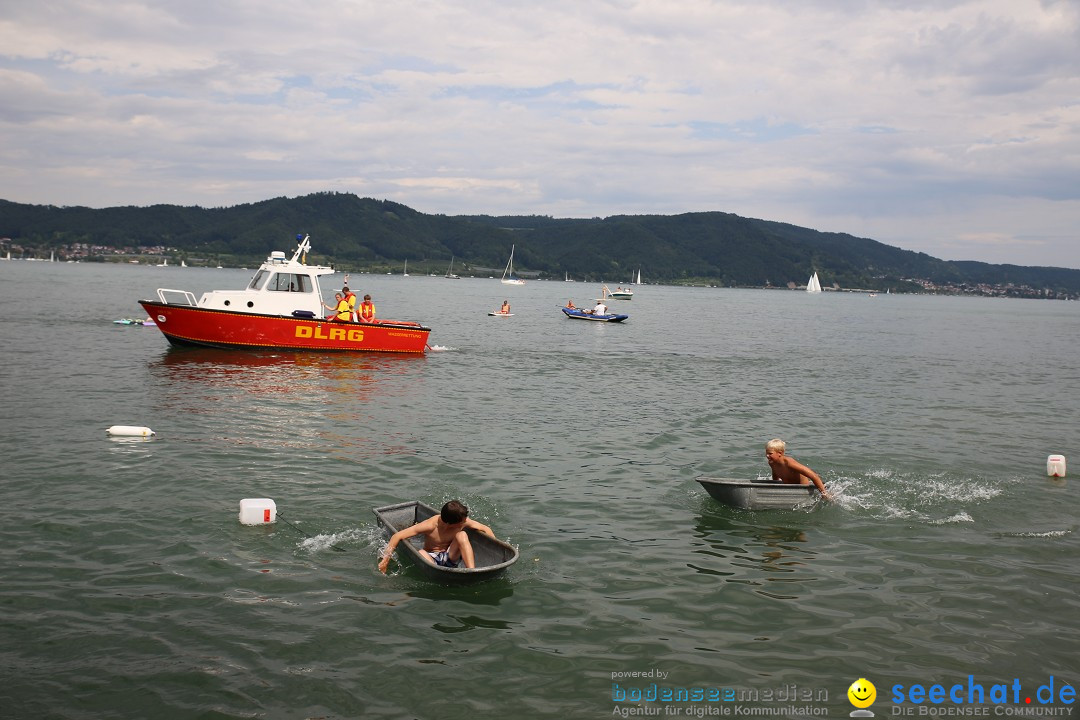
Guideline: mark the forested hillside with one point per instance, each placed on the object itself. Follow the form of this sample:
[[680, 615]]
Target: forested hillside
[[364, 234]]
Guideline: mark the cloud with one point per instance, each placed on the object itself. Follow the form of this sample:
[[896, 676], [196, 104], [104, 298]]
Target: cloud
[[910, 122]]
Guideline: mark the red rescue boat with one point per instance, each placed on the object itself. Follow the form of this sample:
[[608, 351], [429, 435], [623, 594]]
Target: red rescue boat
[[281, 308]]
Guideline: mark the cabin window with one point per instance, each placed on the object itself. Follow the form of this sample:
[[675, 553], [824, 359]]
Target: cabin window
[[289, 282], [258, 280]]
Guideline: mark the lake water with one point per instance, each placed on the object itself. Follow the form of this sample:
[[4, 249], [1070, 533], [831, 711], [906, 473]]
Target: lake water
[[130, 590]]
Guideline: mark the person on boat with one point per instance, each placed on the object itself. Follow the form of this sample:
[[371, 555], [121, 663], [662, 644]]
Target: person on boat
[[341, 311], [446, 543], [789, 470], [350, 297], [505, 309], [367, 310], [570, 305], [600, 309]]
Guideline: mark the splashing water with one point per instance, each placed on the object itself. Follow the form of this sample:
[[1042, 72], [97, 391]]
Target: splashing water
[[937, 499]]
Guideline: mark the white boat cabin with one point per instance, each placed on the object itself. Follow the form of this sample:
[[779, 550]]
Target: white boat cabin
[[279, 287]]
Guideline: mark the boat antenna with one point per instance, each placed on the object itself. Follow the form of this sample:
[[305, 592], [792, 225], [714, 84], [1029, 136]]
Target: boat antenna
[[303, 245], [282, 517]]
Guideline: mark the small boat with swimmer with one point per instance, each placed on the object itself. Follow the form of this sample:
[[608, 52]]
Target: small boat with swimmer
[[759, 494], [492, 556]]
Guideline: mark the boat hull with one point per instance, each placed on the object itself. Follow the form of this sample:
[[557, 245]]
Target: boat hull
[[575, 314], [492, 556], [759, 494], [621, 295], [190, 325]]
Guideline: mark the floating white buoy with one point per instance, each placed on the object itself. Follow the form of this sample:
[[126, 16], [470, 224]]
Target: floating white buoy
[[130, 431], [1055, 466], [257, 511]]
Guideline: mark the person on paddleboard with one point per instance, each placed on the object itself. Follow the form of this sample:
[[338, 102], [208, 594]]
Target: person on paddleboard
[[789, 470]]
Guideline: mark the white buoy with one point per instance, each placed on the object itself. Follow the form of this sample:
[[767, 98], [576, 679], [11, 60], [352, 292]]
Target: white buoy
[[257, 511], [1055, 466], [130, 431]]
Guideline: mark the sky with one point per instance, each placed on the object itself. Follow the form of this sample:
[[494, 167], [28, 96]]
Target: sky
[[950, 127]]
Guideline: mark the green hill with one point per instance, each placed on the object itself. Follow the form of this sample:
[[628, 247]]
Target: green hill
[[355, 233]]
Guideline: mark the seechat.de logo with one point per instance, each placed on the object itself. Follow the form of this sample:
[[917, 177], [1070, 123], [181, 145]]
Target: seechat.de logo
[[862, 694]]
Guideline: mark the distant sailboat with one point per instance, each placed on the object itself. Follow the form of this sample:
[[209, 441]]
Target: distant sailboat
[[813, 285], [568, 278], [406, 271], [450, 270], [638, 281], [508, 272], [183, 264]]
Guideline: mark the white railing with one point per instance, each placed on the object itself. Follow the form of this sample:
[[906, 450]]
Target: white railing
[[187, 297]]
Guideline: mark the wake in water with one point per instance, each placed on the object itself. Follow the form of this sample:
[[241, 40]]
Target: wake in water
[[1047, 534], [440, 348], [937, 499], [365, 537]]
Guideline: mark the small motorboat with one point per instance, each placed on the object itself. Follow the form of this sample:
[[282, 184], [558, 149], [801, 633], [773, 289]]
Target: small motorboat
[[759, 494], [492, 556], [579, 314], [281, 308]]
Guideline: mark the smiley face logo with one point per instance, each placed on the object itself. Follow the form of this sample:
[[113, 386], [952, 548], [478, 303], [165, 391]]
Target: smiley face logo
[[862, 693]]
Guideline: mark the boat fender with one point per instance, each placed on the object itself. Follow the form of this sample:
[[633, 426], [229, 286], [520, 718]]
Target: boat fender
[[303, 314], [257, 511], [129, 431], [1055, 466]]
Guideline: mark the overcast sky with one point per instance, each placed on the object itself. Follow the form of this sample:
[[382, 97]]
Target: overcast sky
[[949, 127]]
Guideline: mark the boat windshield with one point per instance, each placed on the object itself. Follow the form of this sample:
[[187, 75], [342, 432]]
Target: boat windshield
[[257, 280], [289, 282]]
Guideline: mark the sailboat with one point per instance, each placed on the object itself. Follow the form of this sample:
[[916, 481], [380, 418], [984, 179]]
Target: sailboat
[[638, 281], [450, 270], [508, 272], [568, 278], [813, 285], [183, 263], [405, 273]]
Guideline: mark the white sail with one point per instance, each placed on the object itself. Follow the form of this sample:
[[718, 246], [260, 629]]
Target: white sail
[[508, 272], [638, 281], [405, 272], [813, 285], [450, 270]]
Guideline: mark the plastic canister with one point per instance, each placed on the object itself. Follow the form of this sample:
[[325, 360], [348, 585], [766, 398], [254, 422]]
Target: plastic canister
[[1055, 466], [257, 511]]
